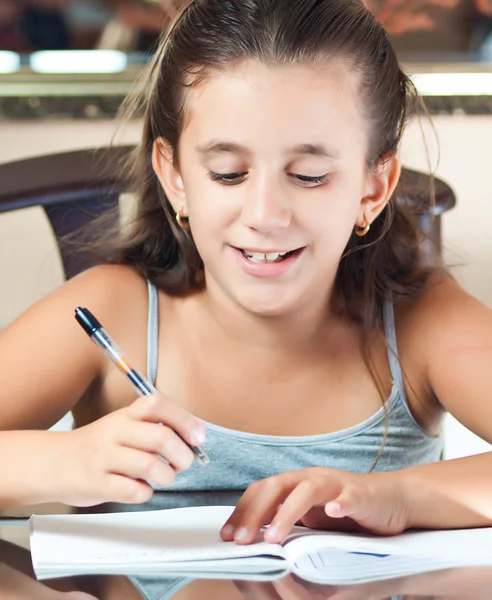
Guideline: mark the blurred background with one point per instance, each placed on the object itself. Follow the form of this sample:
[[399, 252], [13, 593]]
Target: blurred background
[[66, 65], [419, 28], [29, 25]]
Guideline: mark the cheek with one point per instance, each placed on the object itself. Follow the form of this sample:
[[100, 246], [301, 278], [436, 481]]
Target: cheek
[[332, 220], [212, 211], [210, 222]]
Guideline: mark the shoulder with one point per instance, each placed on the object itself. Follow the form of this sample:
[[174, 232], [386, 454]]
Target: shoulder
[[49, 364], [116, 295], [109, 279], [444, 314], [446, 334], [109, 291], [108, 284]]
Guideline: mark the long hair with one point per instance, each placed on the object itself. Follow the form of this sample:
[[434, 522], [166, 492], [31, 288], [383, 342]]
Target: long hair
[[214, 35]]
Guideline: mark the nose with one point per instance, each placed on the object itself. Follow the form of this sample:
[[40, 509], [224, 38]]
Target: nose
[[266, 207]]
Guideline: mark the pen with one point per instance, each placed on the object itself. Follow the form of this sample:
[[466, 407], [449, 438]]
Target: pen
[[95, 331]]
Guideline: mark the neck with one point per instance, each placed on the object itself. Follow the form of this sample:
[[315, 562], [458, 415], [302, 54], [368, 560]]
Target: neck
[[302, 328]]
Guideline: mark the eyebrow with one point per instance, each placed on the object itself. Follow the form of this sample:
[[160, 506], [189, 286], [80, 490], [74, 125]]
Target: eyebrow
[[215, 147]]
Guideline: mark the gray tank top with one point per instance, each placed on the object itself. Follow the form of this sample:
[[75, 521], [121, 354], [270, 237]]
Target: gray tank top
[[238, 458]]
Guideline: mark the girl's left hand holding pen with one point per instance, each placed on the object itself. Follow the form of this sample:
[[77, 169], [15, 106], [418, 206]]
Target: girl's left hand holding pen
[[320, 498]]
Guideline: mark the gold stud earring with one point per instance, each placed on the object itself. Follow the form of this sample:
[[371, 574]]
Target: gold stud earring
[[182, 220], [362, 231]]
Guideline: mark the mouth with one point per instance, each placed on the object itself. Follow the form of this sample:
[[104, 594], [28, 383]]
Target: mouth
[[268, 257]]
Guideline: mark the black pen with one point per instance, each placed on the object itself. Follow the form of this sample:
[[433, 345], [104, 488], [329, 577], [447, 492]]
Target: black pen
[[95, 331]]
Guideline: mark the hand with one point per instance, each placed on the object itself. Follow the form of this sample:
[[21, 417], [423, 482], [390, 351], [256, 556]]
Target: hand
[[319, 498], [112, 459]]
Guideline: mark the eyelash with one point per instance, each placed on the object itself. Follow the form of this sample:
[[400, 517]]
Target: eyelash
[[231, 178]]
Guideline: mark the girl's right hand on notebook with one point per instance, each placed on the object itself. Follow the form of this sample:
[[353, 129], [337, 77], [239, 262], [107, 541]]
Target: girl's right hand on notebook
[[114, 458]]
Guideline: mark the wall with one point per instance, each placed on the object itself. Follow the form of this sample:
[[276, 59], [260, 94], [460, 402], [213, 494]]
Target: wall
[[29, 267], [29, 264], [464, 152]]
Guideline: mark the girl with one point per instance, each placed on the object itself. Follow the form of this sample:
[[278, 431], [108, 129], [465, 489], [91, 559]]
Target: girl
[[271, 288]]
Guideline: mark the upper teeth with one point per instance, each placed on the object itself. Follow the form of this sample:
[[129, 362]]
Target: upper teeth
[[259, 256]]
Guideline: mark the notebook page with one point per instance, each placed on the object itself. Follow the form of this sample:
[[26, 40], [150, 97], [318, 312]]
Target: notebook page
[[337, 567], [252, 568], [137, 538], [463, 545]]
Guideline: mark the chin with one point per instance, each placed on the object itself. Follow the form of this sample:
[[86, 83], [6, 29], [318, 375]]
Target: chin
[[267, 304]]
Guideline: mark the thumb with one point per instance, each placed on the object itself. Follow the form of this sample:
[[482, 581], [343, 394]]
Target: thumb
[[347, 504], [369, 512]]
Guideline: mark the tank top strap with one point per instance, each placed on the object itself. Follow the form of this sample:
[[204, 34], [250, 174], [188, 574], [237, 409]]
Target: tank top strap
[[393, 356], [152, 333]]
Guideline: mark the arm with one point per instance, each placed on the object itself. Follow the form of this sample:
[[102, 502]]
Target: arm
[[456, 334], [48, 366], [451, 494], [451, 344]]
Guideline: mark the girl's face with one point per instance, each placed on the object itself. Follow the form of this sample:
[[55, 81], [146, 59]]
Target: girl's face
[[273, 176]]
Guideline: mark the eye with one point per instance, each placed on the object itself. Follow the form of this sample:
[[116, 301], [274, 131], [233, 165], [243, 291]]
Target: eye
[[226, 178], [306, 181], [234, 178]]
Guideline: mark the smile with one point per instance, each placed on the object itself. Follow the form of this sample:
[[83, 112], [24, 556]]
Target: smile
[[266, 263], [267, 257]]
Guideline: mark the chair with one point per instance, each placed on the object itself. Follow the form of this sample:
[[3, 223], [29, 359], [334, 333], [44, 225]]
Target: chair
[[414, 191], [75, 187]]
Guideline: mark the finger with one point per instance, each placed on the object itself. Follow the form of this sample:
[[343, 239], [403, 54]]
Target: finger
[[351, 502], [317, 518], [313, 491], [355, 508], [126, 490], [257, 507], [158, 439], [141, 465], [159, 409], [344, 505]]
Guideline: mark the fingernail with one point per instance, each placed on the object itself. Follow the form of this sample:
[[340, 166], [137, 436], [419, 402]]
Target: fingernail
[[242, 534], [272, 531], [333, 509], [198, 437], [228, 531]]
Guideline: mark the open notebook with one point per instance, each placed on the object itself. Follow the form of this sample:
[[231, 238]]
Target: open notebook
[[186, 541]]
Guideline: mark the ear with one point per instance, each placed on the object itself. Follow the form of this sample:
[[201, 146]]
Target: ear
[[168, 175], [381, 183]]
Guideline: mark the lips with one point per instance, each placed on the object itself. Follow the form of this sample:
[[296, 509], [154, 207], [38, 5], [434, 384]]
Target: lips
[[270, 264]]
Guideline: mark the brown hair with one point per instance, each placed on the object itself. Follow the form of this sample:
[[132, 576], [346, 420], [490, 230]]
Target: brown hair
[[212, 35]]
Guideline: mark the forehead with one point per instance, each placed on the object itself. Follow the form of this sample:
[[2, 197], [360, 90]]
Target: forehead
[[288, 104]]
